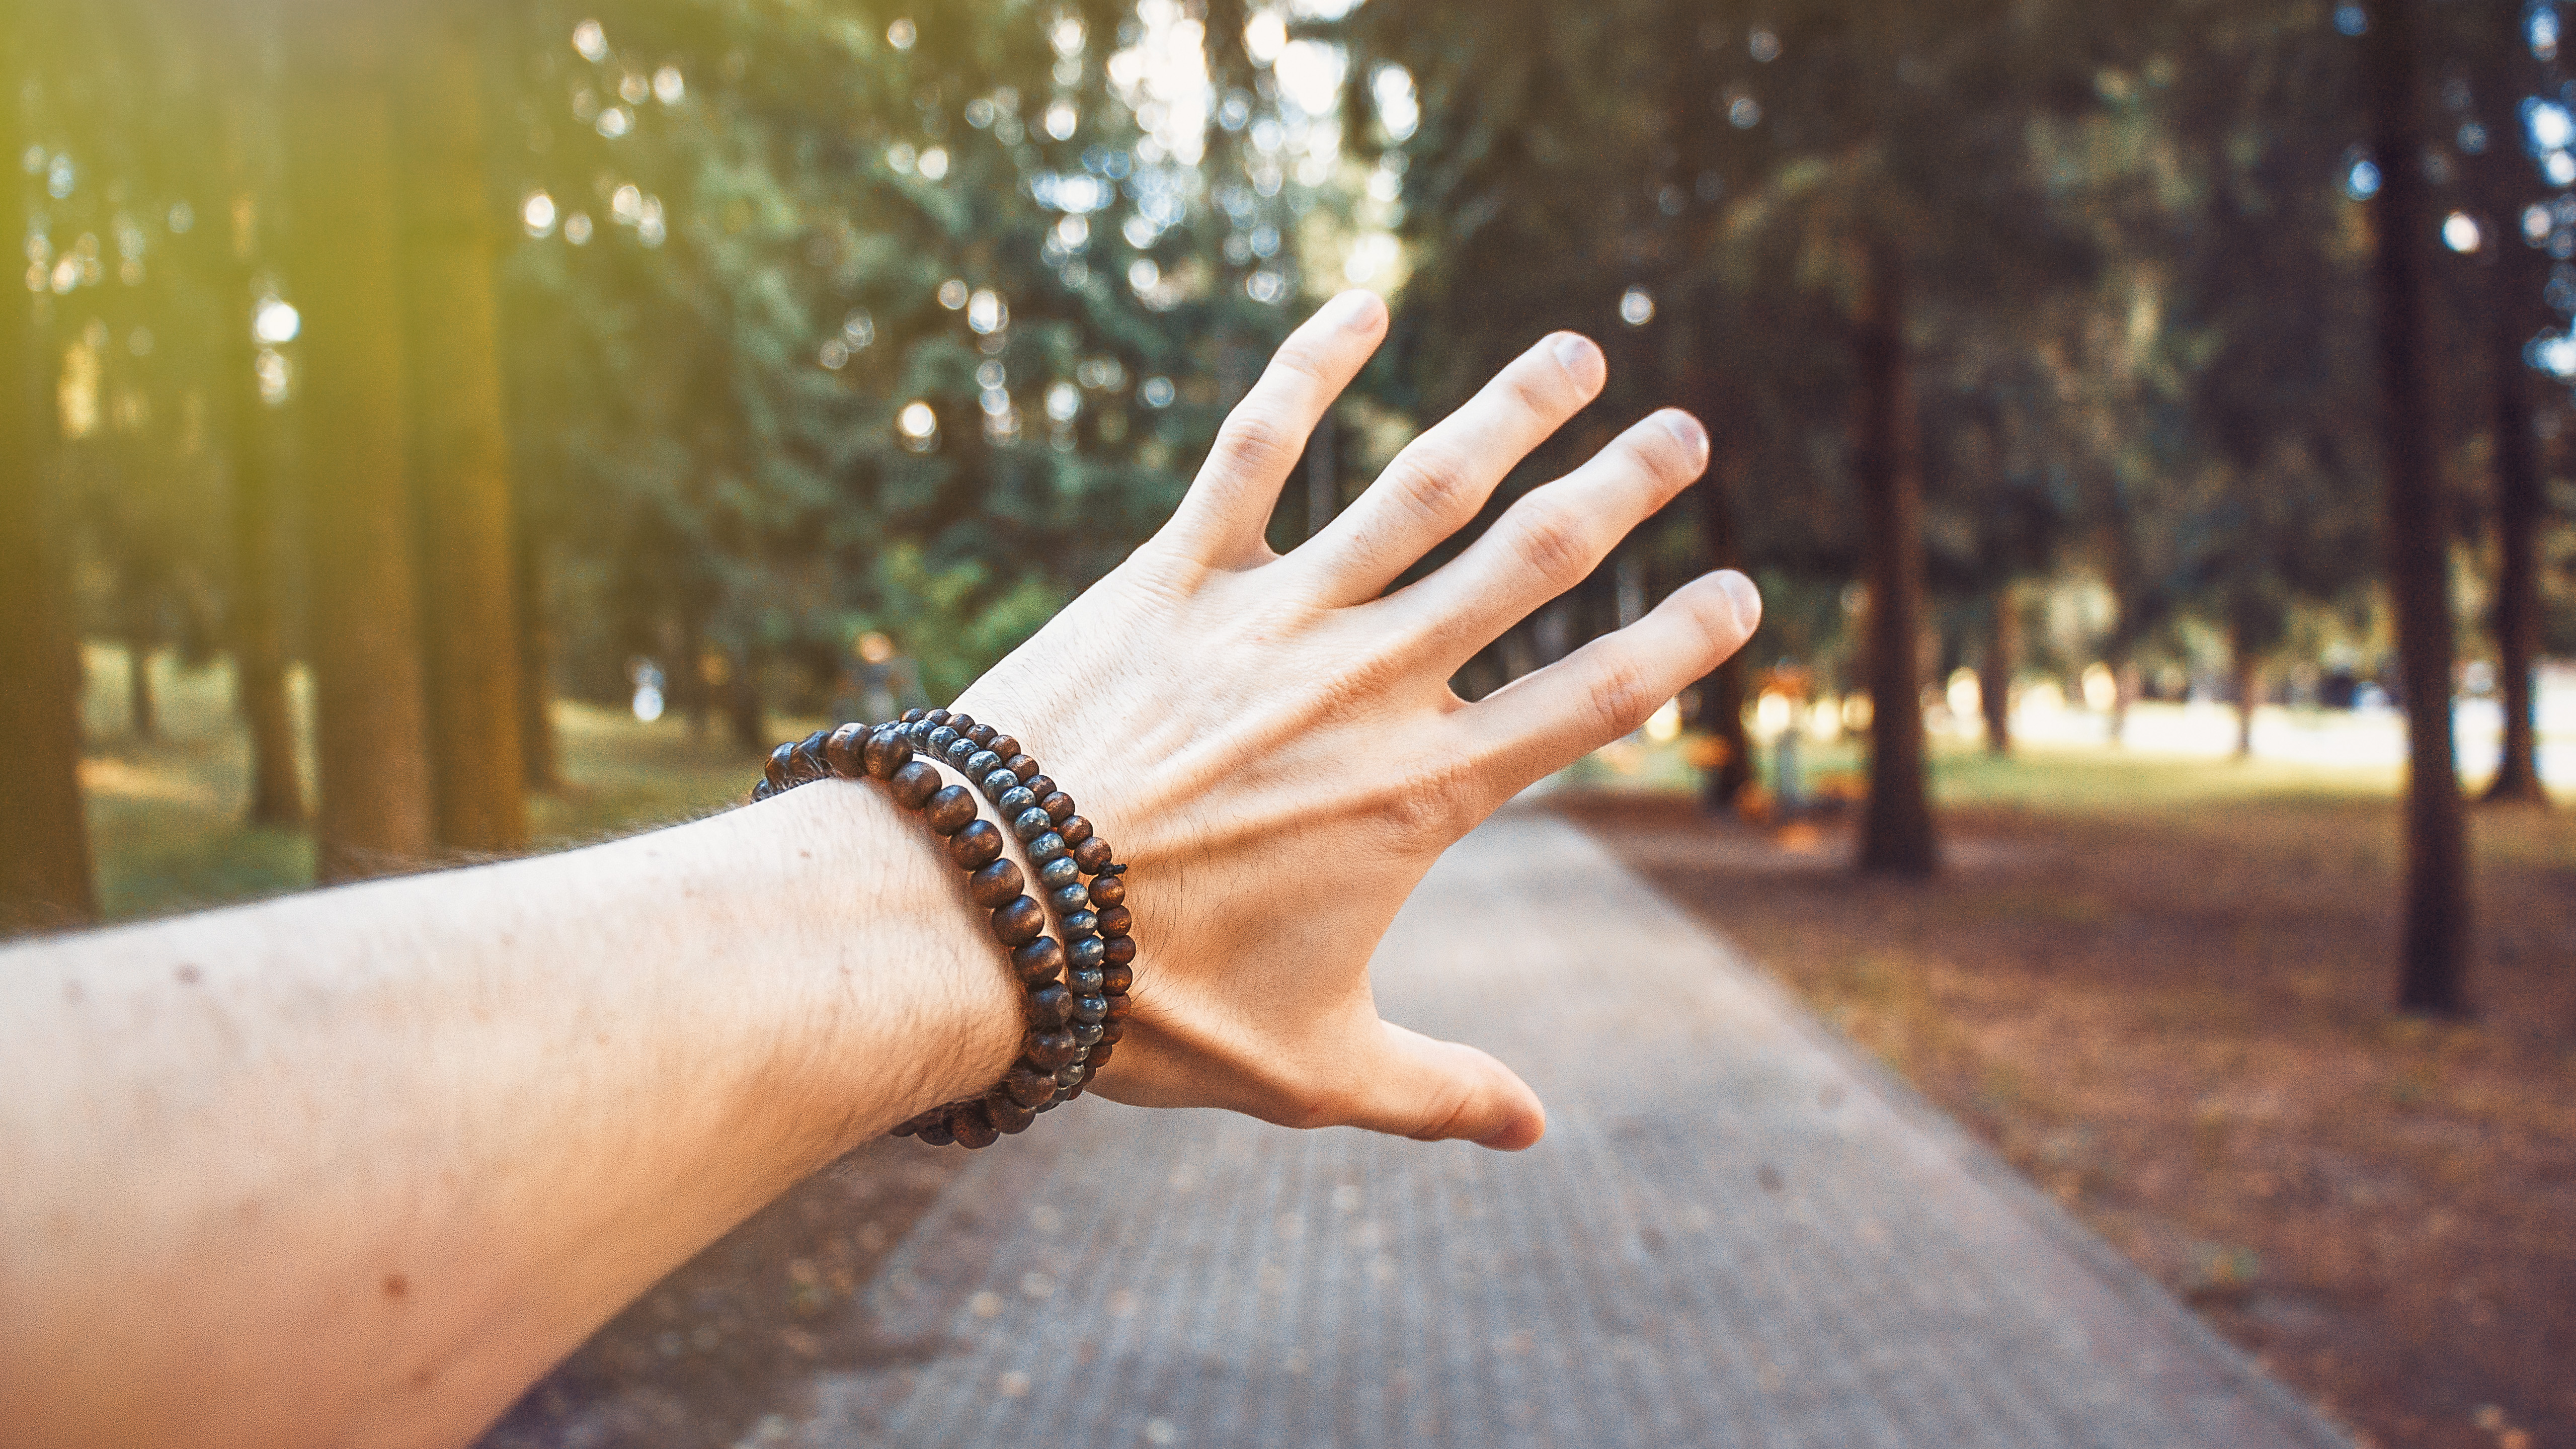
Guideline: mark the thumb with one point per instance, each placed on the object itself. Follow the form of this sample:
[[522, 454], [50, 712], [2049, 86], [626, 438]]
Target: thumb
[[1438, 1091]]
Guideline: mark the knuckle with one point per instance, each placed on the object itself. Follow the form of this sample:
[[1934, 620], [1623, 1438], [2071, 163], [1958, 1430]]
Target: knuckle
[[1665, 458], [1257, 438], [1432, 803], [1549, 541], [1439, 484], [1621, 696], [1538, 387]]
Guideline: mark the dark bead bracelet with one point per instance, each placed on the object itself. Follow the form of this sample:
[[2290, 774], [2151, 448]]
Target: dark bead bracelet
[[1075, 1021]]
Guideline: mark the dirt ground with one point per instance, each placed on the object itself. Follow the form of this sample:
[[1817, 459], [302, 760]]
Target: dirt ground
[[2176, 1018]]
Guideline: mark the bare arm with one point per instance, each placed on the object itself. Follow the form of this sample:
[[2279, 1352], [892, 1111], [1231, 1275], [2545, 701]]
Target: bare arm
[[358, 1166]]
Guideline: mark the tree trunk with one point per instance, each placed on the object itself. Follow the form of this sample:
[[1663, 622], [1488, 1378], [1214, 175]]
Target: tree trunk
[[44, 845], [142, 716], [539, 755], [1722, 692], [2519, 512], [1896, 829], [258, 630], [364, 625], [461, 445], [254, 621], [744, 717], [1995, 670], [2248, 669], [2434, 949]]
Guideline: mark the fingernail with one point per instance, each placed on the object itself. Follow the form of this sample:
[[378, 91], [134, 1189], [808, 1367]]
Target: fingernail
[[1355, 310], [1687, 431], [1746, 599], [1577, 355]]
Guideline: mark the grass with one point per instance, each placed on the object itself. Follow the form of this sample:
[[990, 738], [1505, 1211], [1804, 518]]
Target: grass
[[168, 817]]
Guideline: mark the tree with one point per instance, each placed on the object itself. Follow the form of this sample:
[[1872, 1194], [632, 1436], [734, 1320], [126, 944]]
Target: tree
[[460, 459], [44, 850], [362, 619], [2434, 947]]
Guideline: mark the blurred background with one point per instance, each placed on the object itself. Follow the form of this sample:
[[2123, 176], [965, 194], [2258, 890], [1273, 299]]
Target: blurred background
[[432, 431]]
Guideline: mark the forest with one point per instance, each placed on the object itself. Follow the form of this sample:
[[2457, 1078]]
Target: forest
[[466, 358]]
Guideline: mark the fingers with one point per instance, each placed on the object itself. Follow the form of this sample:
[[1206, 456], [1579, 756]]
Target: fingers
[[1442, 1091], [1221, 521], [1554, 537], [1437, 484], [1542, 722]]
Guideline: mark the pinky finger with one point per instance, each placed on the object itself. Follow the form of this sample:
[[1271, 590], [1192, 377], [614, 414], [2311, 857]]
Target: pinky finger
[[1540, 723]]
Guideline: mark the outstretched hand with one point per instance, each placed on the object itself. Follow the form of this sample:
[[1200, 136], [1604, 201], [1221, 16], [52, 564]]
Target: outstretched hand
[[1273, 745]]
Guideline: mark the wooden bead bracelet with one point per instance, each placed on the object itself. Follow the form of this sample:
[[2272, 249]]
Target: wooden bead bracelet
[[1073, 1022]]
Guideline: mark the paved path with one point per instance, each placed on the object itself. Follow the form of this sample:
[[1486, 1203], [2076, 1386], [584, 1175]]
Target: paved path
[[1733, 1235]]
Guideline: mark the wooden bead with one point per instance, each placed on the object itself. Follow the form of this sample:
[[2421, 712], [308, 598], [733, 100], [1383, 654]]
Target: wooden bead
[[1115, 921], [806, 763], [1008, 748], [1091, 855], [1008, 1117], [1114, 980], [997, 884], [1100, 1056], [981, 734], [960, 722], [1018, 920], [1027, 1085], [976, 846], [950, 810], [1049, 1006], [1051, 1050], [841, 751], [1058, 806], [775, 772], [913, 784], [936, 1131], [1112, 1032], [973, 1128], [1039, 785], [885, 752], [1108, 890], [1120, 951], [1075, 830], [1039, 960], [1119, 1006]]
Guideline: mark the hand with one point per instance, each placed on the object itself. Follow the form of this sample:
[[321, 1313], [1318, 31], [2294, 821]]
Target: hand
[[1272, 744]]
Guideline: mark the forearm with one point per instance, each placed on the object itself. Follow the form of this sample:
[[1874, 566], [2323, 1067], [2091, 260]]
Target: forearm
[[419, 1137]]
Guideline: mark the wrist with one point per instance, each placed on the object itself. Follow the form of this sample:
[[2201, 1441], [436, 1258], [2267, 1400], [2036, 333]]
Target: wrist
[[906, 1002]]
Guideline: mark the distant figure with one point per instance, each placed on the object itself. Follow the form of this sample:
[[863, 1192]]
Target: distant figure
[[883, 683]]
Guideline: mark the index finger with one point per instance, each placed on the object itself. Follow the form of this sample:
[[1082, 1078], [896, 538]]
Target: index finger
[[1222, 519]]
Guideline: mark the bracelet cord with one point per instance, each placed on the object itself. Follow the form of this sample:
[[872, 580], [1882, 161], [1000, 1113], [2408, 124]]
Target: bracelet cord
[[1076, 986]]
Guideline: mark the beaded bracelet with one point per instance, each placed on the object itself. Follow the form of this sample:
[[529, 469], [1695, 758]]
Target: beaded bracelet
[[1073, 1024]]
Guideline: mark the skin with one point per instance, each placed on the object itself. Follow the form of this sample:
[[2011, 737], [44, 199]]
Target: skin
[[358, 1166]]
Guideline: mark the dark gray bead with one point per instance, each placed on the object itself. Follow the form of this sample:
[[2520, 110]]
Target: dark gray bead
[[1058, 873], [1046, 847], [1072, 1073], [940, 738], [1031, 823], [998, 783], [1090, 1009], [1079, 922], [1016, 801], [1087, 954], [1087, 1033], [1090, 981], [1070, 899], [982, 763], [959, 753]]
